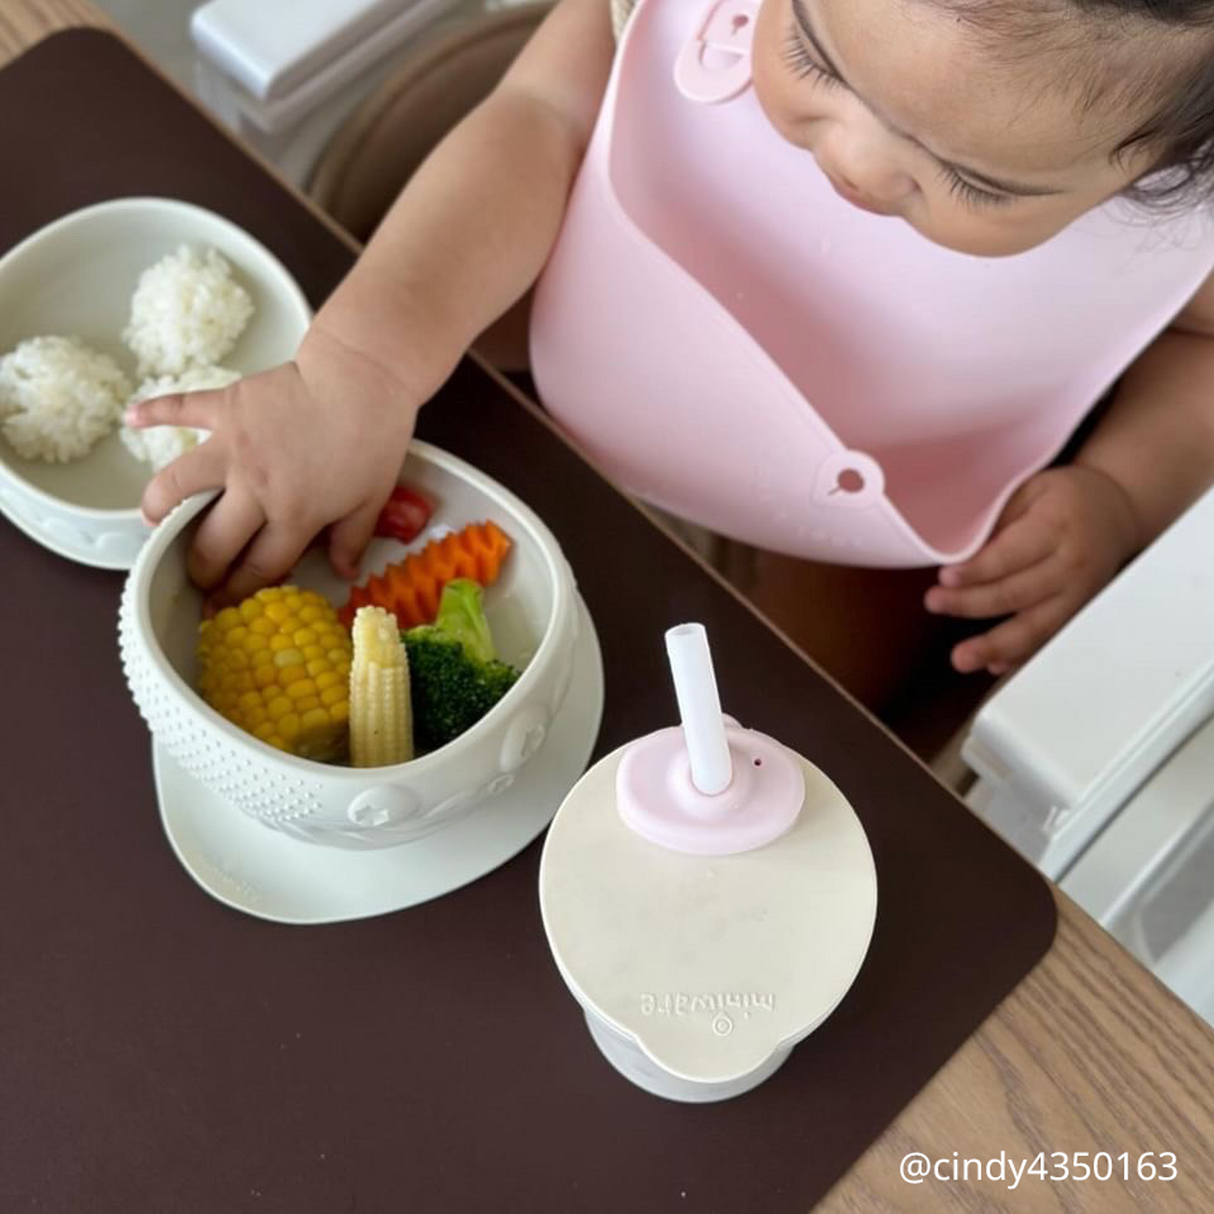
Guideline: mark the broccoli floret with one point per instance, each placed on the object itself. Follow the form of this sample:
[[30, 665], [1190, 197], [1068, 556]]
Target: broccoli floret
[[454, 674], [461, 614]]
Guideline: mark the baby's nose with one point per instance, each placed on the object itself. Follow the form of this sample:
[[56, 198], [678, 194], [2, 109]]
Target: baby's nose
[[867, 171], [884, 184]]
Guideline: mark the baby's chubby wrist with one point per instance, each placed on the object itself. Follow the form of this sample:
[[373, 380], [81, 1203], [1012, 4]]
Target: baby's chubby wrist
[[336, 368], [1123, 513], [386, 328]]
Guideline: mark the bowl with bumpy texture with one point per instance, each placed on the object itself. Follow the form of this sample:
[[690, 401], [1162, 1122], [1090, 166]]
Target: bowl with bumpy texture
[[532, 613]]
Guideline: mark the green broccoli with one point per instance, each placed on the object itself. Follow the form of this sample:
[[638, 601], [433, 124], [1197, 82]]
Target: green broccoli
[[454, 672]]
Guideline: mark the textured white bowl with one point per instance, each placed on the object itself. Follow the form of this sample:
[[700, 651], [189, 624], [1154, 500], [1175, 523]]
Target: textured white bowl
[[533, 617], [75, 278]]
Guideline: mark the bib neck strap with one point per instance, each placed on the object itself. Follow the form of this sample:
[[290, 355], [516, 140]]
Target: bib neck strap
[[714, 64]]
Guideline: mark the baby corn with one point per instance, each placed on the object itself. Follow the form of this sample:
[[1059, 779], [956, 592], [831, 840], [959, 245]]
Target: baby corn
[[381, 719], [278, 666]]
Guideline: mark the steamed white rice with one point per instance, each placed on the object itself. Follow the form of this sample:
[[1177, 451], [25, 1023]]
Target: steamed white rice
[[58, 397], [187, 310], [161, 445]]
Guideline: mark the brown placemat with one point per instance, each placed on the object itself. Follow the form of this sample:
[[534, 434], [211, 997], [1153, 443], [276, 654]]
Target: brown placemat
[[159, 1052]]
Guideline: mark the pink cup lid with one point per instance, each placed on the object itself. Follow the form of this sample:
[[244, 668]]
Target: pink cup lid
[[709, 787]]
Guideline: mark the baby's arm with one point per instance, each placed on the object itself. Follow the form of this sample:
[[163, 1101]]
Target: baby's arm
[[320, 440], [1068, 530]]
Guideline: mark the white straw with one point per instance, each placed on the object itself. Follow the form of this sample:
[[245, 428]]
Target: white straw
[[695, 685]]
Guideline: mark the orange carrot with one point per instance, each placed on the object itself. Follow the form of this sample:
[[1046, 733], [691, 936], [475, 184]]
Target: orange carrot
[[411, 588]]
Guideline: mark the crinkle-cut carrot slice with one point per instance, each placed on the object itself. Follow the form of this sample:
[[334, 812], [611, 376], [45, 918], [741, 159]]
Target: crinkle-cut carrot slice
[[411, 588]]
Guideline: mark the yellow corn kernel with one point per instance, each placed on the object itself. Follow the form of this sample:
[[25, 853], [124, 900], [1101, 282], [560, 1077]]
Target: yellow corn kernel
[[252, 671], [381, 719], [314, 718], [291, 674], [300, 688]]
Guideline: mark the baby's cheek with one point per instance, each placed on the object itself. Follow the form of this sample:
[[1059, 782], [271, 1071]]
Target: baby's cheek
[[998, 231], [948, 222]]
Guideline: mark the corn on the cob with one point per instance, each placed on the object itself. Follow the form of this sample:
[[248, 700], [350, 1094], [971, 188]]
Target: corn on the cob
[[278, 665], [381, 716]]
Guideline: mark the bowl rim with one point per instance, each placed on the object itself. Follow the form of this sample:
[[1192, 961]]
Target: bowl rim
[[135, 202], [559, 575]]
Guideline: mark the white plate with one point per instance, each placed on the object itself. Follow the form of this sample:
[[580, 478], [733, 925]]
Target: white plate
[[81, 553], [255, 869], [76, 277]]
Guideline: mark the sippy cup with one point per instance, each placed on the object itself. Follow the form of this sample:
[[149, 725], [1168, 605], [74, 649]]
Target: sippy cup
[[708, 896]]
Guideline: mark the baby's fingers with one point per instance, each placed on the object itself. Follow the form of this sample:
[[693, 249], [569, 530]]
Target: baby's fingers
[[270, 557], [221, 537], [198, 409], [989, 599], [349, 538], [198, 469], [1020, 544], [1013, 641]]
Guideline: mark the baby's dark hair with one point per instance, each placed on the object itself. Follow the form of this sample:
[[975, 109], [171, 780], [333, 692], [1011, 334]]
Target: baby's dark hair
[[1177, 72]]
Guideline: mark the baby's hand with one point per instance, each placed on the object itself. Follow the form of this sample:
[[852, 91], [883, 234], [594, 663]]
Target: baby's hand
[[1063, 535], [314, 442]]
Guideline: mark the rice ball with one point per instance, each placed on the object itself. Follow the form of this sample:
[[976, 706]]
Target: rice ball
[[187, 310], [161, 445], [58, 397]]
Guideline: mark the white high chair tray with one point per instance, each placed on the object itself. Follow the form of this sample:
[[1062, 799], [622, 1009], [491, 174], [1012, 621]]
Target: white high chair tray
[[258, 870]]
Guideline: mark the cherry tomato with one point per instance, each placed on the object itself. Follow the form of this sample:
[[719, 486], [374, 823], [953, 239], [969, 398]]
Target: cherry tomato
[[404, 515]]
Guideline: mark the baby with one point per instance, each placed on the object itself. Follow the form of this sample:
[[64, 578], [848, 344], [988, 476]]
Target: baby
[[986, 126]]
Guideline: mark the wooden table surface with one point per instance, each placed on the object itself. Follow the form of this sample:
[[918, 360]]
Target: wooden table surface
[[1089, 1053]]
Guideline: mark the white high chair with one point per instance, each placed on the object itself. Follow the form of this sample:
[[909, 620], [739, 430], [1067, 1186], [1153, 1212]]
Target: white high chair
[[1096, 761], [287, 74]]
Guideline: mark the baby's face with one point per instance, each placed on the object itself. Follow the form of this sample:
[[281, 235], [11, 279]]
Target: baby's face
[[908, 116]]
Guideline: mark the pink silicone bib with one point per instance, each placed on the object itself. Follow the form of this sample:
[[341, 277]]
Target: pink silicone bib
[[732, 341]]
